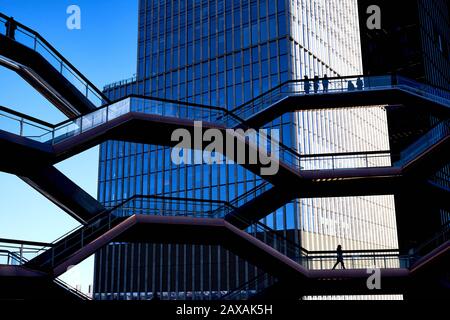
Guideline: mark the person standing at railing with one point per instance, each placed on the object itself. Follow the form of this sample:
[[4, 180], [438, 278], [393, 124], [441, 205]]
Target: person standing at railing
[[325, 83], [340, 257], [11, 27], [359, 83], [307, 85], [316, 84], [351, 86]]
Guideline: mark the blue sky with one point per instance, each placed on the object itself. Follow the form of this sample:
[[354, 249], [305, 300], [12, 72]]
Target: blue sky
[[104, 50]]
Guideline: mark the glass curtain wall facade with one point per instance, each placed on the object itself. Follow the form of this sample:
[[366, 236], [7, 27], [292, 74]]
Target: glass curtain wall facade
[[415, 42], [434, 17], [223, 53], [326, 41]]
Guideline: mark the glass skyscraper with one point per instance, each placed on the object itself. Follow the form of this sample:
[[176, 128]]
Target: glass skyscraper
[[224, 53], [414, 42]]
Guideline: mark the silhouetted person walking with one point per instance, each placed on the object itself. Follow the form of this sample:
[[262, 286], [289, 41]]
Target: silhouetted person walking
[[325, 83], [307, 85], [340, 257], [359, 84], [11, 27], [316, 84]]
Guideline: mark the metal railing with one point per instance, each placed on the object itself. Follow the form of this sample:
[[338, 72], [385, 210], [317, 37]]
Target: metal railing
[[435, 241], [251, 194], [356, 259], [21, 254], [431, 93], [346, 160], [140, 104], [136, 205], [120, 83], [17, 252], [171, 206], [24, 126], [156, 205], [34, 41], [196, 112], [16, 257], [250, 288], [333, 85], [53, 134], [437, 133]]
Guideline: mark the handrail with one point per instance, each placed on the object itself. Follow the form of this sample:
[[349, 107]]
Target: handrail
[[290, 151], [291, 154], [23, 247], [119, 83], [438, 132], [122, 204], [57, 54], [259, 187], [149, 98], [27, 117], [351, 251], [445, 229], [170, 198], [54, 128], [97, 219], [301, 255], [337, 154], [108, 211], [230, 295], [98, 223], [56, 280], [75, 291], [182, 103], [25, 242], [393, 77], [266, 93]]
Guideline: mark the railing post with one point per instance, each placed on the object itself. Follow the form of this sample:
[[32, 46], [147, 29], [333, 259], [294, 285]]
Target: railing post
[[21, 127], [81, 125], [21, 254]]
